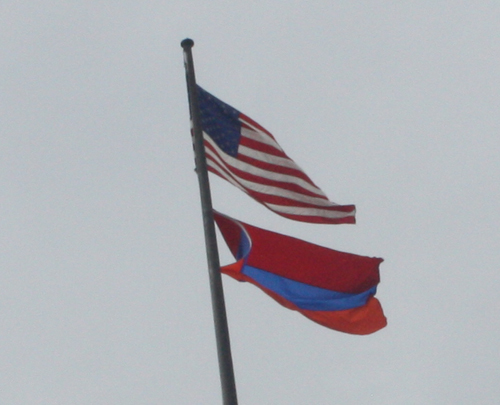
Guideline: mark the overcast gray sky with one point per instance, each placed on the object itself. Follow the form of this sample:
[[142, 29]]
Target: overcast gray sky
[[104, 295]]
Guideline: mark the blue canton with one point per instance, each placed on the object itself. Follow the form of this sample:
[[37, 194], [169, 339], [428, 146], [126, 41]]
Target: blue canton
[[220, 122]]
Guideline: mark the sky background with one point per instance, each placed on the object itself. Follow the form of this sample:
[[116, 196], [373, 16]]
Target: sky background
[[104, 294]]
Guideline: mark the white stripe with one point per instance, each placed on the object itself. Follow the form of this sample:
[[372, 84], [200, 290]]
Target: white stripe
[[286, 209], [259, 136], [317, 212], [247, 167], [224, 175], [270, 190], [266, 157]]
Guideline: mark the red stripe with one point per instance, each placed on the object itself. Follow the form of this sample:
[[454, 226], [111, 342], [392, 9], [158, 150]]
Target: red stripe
[[271, 168], [264, 198], [279, 200], [262, 147], [262, 180], [271, 199], [283, 201], [275, 168], [245, 118], [275, 183], [320, 220]]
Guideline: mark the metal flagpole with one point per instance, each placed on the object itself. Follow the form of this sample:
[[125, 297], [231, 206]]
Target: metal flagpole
[[218, 305]]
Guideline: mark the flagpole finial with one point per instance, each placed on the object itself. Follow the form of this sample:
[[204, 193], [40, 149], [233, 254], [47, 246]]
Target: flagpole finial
[[187, 43]]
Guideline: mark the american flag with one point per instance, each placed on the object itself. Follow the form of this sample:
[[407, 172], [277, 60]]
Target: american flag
[[245, 154]]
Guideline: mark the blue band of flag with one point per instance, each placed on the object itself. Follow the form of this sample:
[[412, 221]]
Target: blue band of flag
[[307, 296]]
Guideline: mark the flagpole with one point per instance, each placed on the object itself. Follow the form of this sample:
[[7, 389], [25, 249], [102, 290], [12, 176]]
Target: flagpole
[[218, 305]]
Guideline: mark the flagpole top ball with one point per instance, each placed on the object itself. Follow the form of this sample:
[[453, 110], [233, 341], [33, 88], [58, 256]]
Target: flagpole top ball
[[187, 43]]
